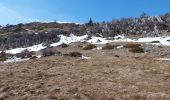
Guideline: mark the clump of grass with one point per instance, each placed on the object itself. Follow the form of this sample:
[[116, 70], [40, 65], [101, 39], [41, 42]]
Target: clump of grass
[[131, 45], [155, 42], [117, 56], [89, 47], [63, 45], [107, 47], [50, 52], [74, 54], [34, 57], [137, 50], [3, 56]]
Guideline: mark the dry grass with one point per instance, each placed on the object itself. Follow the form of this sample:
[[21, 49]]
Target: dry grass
[[104, 77], [107, 47]]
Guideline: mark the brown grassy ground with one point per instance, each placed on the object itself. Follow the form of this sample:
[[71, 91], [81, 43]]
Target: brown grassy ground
[[104, 77]]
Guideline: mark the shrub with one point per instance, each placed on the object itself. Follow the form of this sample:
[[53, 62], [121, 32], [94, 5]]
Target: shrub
[[24, 54], [3, 56], [74, 54], [168, 40], [63, 45], [107, 47], [49, 52], [117, 56], [110, 38], [89, 47], [137, 50], [34, 57], [155, 42], [131, 45]]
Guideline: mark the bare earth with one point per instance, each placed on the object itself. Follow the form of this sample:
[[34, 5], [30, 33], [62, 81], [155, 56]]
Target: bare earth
[[103, 77]]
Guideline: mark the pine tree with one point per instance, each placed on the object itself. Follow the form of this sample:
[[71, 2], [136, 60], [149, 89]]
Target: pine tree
[[144, 15], [90, 23]]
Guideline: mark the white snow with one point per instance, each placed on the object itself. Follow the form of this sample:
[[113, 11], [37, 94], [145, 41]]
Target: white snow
[[63, 22], [158, 18], [69, 39], [15, 51], [99, 48], [36, 47], [119, 37], [164, 59], [98, 40], [163, 40], [84, 57], [31, 48], [119, 47], [15, 59]]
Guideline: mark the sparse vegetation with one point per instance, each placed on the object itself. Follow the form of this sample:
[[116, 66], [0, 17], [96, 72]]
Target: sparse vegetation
[[63, 45], [155, 42], [136, 50], [3, 56], [24, 54], [74, 54], [50, 52], [89, 47], [117, 56], [131, 45], [34, 57]]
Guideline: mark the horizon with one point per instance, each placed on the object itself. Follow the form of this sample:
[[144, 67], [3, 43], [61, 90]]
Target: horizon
[[19, 11]]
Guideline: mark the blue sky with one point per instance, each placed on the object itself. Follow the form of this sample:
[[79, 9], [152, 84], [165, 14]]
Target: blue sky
[[17, 11]]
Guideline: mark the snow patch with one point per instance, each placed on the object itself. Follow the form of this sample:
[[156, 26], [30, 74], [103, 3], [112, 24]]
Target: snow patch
[[163, 40], [36, 47], [15, 51], [31, 48], [84, 57], [69, 39], [119, 47], [164, 59], [98, 40], [99, 48], [15, 59]]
